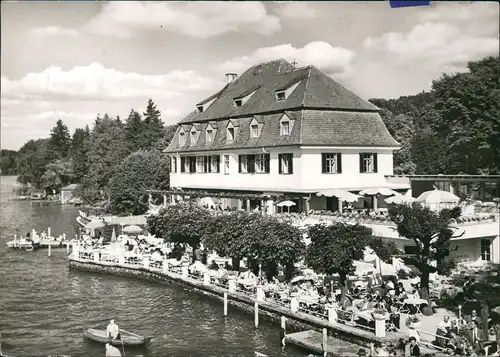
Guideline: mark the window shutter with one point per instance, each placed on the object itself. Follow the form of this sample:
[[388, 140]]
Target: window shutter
[[267, 163], [183, 164], [251, 164], [239, 163], [339, 163], [192, 165], [361, 163], [280, 168], [290, 163], [323, 163], [375, 163], [206, 163]]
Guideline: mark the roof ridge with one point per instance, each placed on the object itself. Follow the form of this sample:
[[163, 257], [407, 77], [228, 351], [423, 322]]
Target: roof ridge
[[305, 87]]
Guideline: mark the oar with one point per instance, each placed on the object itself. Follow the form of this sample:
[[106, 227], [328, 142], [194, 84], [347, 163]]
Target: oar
[[130, 333]]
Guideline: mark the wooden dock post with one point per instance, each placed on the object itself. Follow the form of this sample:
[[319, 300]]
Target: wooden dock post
[[48, 232], [225, 304], [33, 233], [64, 237], [49, 249], [67, 248], [256, 310], [283, 331], [325, 342]]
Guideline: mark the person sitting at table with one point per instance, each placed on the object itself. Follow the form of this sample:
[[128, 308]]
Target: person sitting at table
[[366, 305], [400, 290], [44, 235], [412, 348], [476, 337]]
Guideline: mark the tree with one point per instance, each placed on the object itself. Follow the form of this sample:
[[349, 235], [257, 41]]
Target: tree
[[182, 223], [106, 151], [166, 139], [140, 171], [153, 126], [57, 174], [60, 140], [334, 247], [274, 243], [34, 156], [228, 233], [8, 162], [431, 233], [134, 131], [79, 152]]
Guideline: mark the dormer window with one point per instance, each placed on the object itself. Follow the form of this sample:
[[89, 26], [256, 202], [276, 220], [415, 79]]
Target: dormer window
[[210, 135], [230, 134], [284, 93], [200, 108], [285, 128], [254, 131], [182, 138], [238, 102], [280, 96]]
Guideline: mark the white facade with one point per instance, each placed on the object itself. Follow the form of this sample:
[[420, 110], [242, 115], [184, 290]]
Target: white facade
[[307, 173]]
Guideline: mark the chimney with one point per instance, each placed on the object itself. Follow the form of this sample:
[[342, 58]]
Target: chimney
[[230, 77]]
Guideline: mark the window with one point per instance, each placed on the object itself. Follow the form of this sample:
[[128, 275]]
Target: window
[[182, 138], [331, 163], [243, 164], [201, 164], [280, 95], [367, 163], [188, 164], [226, 164], [285, 162], [486, 250], [230, 134], [210, 135], [200, 108], [213, 163], [254, 131], [285, 128], [238, 102], [173, 164], [262, 163]]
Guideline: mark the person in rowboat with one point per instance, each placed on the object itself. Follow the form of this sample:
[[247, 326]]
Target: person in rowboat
[[112, 331], [112, 351]]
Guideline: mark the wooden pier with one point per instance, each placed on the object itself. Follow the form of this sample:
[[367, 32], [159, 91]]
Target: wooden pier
[[312, 340]]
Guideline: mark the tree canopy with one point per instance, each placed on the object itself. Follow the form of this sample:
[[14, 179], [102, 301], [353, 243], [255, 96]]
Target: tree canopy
[[140, 171]]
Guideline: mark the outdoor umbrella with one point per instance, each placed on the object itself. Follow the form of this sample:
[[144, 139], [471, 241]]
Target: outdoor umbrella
[[374, 192], [341, 194], [437, 198], [133, 229], [286, 204], [113, 235], [301, 278], [400, 199]]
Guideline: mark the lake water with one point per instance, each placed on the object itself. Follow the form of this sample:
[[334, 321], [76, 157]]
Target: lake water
[[44, 307]]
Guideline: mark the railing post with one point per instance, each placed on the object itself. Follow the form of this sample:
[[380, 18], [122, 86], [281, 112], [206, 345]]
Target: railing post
[[185, 272], [260, 294], [332, 315], [380, 325], [294, 305], [48, 232], [96, 256], [232, 286], [206, 278], [121, 259], [145, 262], [165, 266]]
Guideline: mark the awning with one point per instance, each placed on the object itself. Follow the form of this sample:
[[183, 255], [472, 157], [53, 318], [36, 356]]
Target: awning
[[378, 191]]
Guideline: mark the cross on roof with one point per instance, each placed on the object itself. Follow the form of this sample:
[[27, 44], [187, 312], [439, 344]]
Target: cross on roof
[[294, 63]]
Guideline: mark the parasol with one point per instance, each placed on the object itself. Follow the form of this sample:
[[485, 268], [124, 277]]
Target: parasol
[[341, 194], [383, 191], [95, 224], [285, 203], [133, 229]]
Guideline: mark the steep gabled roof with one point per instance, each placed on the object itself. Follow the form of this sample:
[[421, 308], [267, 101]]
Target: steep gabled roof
[[314, 90]]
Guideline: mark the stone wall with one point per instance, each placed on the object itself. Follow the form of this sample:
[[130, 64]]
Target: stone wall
[[297, 321]]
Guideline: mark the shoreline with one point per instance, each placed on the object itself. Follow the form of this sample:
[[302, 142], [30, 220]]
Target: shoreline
[[295, 321]]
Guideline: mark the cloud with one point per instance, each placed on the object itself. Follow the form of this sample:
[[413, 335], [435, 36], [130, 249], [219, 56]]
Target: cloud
[[54, 31], [321, 54], [444, 37], [95, 82], [295, 10], [199, 20]]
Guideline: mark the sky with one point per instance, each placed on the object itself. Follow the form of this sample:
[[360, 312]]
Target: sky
[[73, 60]]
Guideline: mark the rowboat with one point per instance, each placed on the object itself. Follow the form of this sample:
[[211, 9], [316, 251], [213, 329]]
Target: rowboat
[[128, 339]]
